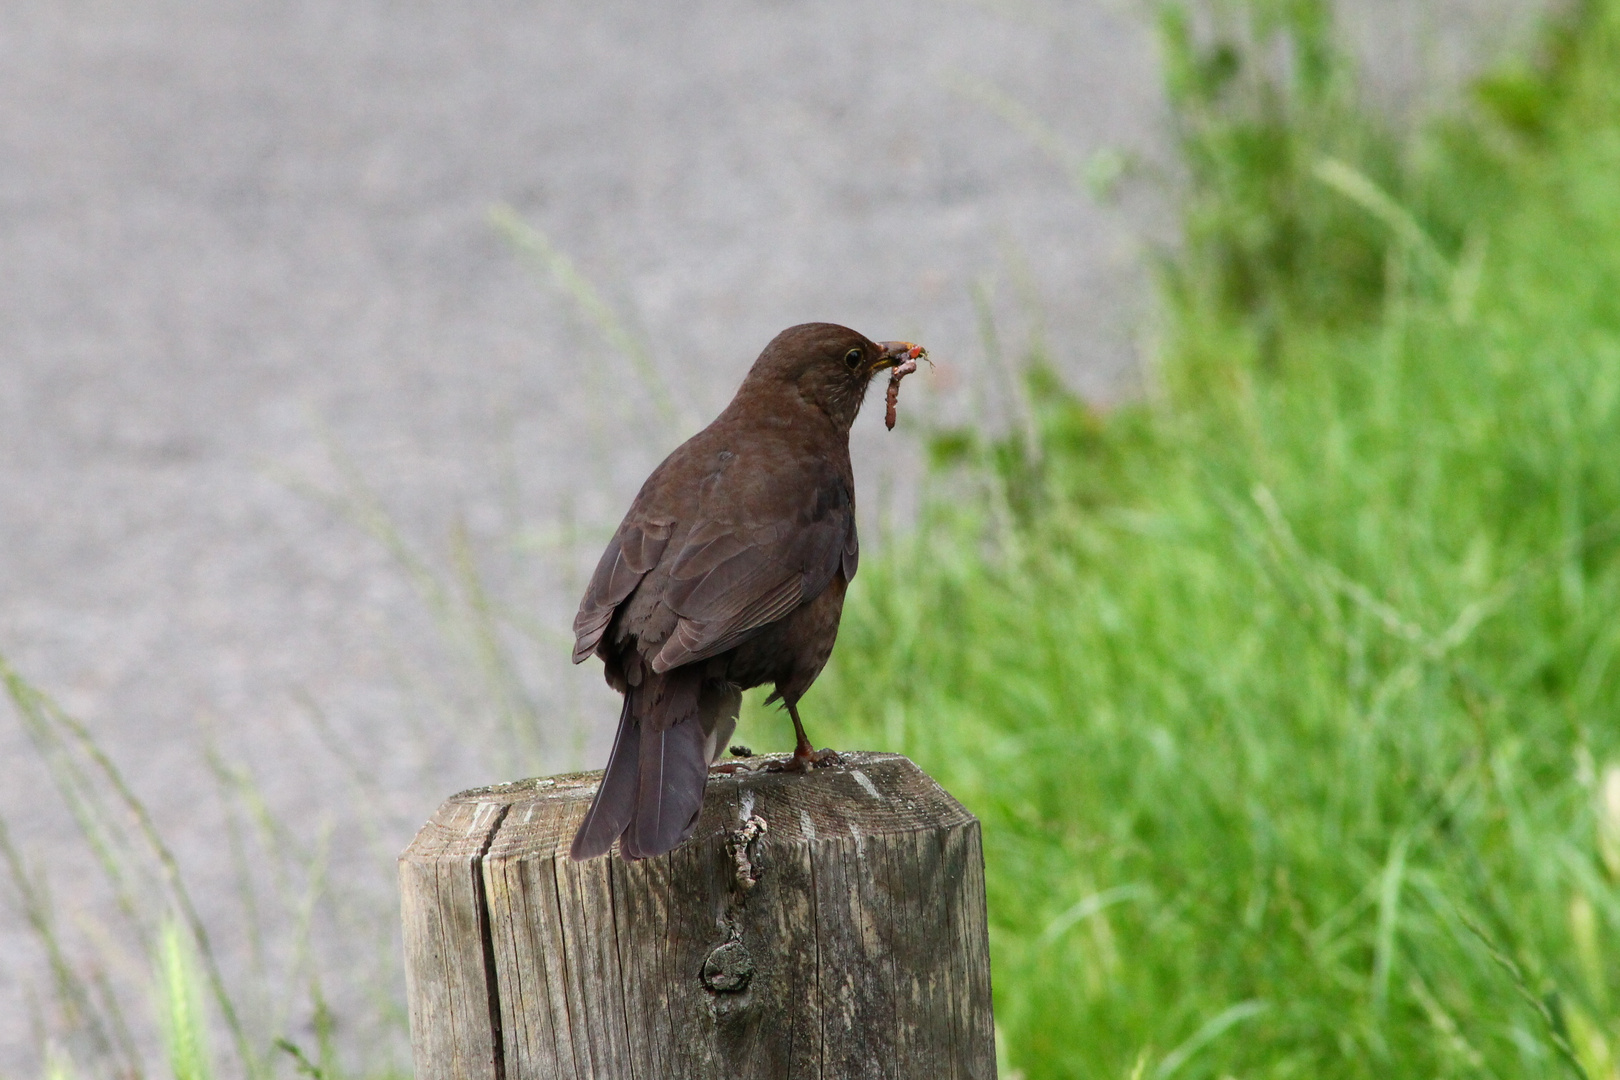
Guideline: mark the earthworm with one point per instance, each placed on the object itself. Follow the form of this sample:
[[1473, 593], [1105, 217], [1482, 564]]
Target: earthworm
[[898, 372]]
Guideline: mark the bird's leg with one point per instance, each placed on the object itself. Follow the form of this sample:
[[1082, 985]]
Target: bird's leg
[[806, 756]]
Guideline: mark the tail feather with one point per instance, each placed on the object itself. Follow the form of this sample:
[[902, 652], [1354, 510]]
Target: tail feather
[[673, 766], [718, 708], [672, 726], [614, 806]]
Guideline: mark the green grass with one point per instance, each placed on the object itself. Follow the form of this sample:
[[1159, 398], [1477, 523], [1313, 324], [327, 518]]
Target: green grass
[[183, 1020], [1290, 697]]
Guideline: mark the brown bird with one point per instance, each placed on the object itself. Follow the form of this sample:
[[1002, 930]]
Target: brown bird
[[727, 573]]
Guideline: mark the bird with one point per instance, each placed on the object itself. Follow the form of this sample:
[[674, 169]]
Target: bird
[[727, 572]]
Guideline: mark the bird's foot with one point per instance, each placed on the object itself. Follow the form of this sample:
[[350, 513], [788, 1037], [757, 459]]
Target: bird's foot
[[803, 760]]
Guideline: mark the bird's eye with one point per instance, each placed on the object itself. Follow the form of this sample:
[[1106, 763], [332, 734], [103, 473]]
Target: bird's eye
[[852, 359]]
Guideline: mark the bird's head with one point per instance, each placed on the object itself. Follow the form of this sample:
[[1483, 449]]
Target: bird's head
[[829, 366]]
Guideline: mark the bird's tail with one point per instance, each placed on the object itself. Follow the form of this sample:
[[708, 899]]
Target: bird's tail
[[615, 802], [672, 725]]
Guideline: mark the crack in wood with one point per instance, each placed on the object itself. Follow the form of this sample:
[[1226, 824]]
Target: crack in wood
[[487, 935]]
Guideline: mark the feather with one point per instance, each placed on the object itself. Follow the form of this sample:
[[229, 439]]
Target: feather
[[673, 767], [670, 729], [717, 711], [721, 602], [615, 803], [634, 550]]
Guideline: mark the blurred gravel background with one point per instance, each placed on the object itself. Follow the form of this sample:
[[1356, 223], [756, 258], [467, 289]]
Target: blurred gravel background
[[245, 241]]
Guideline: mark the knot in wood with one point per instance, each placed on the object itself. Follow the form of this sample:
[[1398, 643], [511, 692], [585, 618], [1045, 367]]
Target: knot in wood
[[752, 829], [728, 968]]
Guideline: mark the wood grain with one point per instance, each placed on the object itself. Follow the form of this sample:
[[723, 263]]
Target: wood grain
[[848, 940]]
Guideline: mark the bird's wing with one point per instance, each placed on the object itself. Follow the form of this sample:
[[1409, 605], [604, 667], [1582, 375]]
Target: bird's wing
[[634, 550], [731, 578]]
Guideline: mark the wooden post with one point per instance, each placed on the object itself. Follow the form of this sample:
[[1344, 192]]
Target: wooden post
[[820, 927]]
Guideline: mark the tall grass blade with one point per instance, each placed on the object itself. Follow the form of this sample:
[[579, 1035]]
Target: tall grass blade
[[534, 243], [183, 1023], [1360, 189], [59, 729], [1208, 1032]]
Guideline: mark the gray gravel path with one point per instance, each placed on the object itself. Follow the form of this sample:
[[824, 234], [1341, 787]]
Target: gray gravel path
[[244, 239]]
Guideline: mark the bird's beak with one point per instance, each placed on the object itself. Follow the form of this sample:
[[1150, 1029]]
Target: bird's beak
[[896, 353]]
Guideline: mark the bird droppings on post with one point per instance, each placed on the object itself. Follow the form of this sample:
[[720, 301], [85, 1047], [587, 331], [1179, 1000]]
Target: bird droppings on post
[[865, 782], [860, 938]]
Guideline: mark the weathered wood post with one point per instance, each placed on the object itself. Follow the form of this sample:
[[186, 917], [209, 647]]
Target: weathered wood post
[[823, 927]]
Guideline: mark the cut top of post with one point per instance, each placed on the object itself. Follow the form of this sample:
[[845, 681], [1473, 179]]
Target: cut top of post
[[869, 794]]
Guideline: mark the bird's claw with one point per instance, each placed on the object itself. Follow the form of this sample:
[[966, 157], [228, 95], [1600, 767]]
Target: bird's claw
[[806, 760]]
